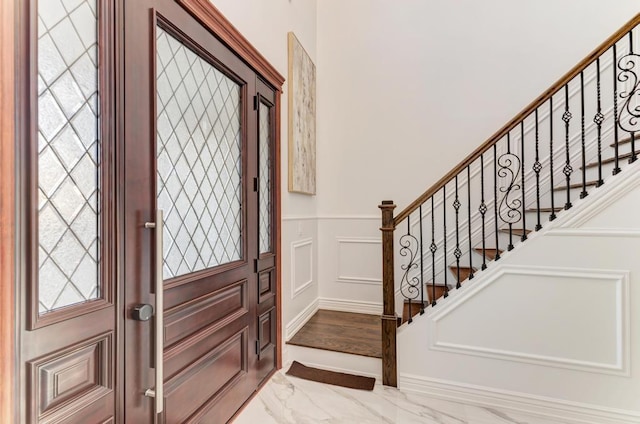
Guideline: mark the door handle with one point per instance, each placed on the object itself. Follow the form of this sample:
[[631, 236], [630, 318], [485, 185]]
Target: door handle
[[157, 393]]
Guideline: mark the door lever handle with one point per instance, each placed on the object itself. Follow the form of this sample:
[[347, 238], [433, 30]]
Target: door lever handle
[[157, 393]]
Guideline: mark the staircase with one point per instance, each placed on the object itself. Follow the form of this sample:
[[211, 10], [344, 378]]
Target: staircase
[[553, 155], [512, 282]]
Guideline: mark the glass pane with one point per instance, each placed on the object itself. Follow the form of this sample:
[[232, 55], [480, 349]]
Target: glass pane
[[68, 153], [265, 179], [199, 160]]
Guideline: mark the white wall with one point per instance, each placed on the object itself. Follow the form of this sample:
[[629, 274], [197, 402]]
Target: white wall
[[266, 24], [407, 89], [552, 326]]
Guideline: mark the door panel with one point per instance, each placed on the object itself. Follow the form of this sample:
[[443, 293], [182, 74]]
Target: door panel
[[67, 324], [192, 151]]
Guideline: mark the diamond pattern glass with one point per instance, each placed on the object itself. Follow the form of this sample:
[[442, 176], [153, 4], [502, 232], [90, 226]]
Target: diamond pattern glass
[[199, 160], [265, 178], [68, 154]]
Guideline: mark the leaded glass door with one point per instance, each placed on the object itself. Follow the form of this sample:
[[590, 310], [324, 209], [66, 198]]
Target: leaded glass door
[[192, 222], [147, 237], [67, 297]]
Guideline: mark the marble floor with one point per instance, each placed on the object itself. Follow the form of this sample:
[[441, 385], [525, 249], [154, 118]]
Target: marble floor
[[290, 400]]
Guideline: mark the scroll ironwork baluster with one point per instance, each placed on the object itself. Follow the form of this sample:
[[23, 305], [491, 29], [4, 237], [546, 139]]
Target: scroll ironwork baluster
[[634, 112], [457, 252], [537, 167], [598, 120], [469, 220], [433, 248], [628, 74], [551, 191], [495, 201], [509, 210], [584, 193], [524, 215], [483, 210], [567, 170], [409, 284]]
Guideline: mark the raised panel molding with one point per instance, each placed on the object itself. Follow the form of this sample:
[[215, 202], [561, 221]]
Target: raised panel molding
[[69, 380], [184, 320], [619, 281], [298, 249], [348, 276]]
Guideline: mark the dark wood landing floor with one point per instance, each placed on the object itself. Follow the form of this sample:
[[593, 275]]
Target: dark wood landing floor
[[346, 332]]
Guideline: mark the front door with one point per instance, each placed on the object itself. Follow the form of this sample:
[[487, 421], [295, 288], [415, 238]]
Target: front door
[[149, 238], [192, 139]]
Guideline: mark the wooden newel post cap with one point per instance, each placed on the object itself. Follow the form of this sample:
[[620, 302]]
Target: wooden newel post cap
[[387, 204]]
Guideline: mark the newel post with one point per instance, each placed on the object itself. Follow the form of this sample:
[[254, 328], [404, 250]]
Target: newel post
[[389, 319]]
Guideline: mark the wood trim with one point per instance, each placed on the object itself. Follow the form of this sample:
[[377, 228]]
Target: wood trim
[[277, 158], [224, 30], [7, 210], [544, 97]]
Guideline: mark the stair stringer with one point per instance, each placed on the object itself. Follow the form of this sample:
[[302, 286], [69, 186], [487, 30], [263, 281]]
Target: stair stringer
[[551, 327]]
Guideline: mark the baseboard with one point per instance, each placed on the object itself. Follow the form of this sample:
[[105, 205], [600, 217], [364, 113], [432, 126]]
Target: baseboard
[[551, 408], [342, 305], [301, 319]]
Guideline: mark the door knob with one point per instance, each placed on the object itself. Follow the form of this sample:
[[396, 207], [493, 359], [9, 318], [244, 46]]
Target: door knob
[[142, 312]]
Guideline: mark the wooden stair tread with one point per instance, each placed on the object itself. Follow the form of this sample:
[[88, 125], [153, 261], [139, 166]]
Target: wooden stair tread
[[576, 185], [610, 160], [623, 141], [545, 210], [515, 231], [465, 272], [414, 306], [489, 252]]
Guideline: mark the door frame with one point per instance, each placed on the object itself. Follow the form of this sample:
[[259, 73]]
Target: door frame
[[12, 49], [8, 26]]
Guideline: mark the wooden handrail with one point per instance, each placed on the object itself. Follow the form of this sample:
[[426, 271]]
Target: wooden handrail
[[624, 30]]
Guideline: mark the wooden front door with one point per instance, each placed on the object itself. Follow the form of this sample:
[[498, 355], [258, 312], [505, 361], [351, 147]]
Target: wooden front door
[[148, 284], [192, 141]]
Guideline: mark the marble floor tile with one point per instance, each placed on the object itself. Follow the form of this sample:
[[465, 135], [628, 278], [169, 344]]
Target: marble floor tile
[[290, 400]]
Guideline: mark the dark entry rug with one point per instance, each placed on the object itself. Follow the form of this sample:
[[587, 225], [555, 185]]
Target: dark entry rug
[[331, 377]]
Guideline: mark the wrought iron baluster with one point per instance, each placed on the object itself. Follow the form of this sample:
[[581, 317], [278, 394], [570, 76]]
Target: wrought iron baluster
[[634, 112], [495, 200], [598, 120], [537, 167], [457, 252], [629, 117], [483, 210], [567, 170], [469, 220], [584, 193], [433, 248], [421, 266], [616, 120], [551, 191], [524, 215], [509, 210], [409, 284], [444, 225]]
